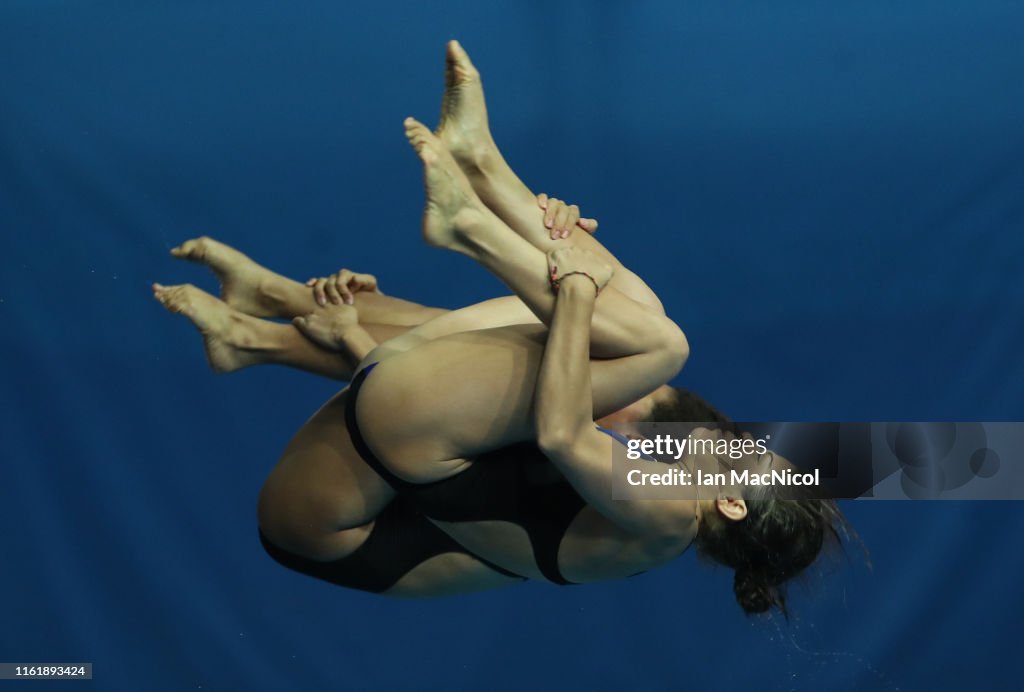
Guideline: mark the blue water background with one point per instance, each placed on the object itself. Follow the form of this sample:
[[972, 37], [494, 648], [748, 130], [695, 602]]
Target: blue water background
[[827, 196]]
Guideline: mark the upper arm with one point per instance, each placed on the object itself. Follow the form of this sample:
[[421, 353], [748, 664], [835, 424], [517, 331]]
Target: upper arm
[[586, 461]]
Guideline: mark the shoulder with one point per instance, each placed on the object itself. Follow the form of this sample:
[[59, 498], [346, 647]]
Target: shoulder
[[596, 549]]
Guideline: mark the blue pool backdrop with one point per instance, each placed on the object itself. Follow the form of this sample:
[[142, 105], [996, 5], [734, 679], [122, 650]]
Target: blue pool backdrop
[[827, 196]]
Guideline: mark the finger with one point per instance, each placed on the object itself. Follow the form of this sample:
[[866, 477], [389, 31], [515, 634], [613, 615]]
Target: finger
[[364, 282], [345, 278], [588, 225], [550, 211], [318, 292], [305, 323], [542, 200], [331, 289], [554, 208], [573, 217], [310, 282], [302, 323], [561, 219]]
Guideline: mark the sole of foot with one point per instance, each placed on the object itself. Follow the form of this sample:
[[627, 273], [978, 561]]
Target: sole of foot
[[452, 207]]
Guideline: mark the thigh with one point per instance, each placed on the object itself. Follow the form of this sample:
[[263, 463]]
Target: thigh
[[403, 555], [426, 411], [321, 498], [488, 314]]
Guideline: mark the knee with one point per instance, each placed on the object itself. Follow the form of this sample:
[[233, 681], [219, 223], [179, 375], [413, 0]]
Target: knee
[[305, 515], [280, 515], [270, 514], [288, 535]]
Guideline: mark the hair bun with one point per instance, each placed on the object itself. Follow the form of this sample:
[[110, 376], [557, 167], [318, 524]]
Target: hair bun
[[754, 592]]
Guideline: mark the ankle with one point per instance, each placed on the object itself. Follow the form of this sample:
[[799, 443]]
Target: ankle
[[481, 159], [471, 236], [241, 335], [282, 297]]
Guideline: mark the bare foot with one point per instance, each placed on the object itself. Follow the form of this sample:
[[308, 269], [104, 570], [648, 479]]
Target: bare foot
[[226, 333], [326, 326], [452, 206], [241, 279], [463, 127]]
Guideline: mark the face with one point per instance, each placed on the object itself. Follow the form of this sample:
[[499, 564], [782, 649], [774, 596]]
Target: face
[[730, 503]]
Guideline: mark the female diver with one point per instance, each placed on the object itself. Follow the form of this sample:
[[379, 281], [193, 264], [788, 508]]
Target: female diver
[[441, 403]]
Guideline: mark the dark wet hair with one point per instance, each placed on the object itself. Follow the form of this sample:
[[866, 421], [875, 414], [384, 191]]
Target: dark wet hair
[[776, 541], [683, 406]]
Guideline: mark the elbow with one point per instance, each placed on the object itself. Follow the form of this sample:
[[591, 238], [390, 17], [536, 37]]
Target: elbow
[[680, 345], [675, 346], [555, 440]]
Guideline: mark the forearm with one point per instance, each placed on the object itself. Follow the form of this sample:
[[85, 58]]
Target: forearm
[[564, 420], [563, 402], [564, 398], [356, 342]]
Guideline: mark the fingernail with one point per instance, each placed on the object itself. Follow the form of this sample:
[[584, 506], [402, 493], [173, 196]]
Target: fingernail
[[349, 300]]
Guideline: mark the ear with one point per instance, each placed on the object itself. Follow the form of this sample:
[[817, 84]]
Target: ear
[[732, 508]]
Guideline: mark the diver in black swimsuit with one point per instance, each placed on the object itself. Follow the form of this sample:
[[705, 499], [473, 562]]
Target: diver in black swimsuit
[[304, 507], [516, 484]]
